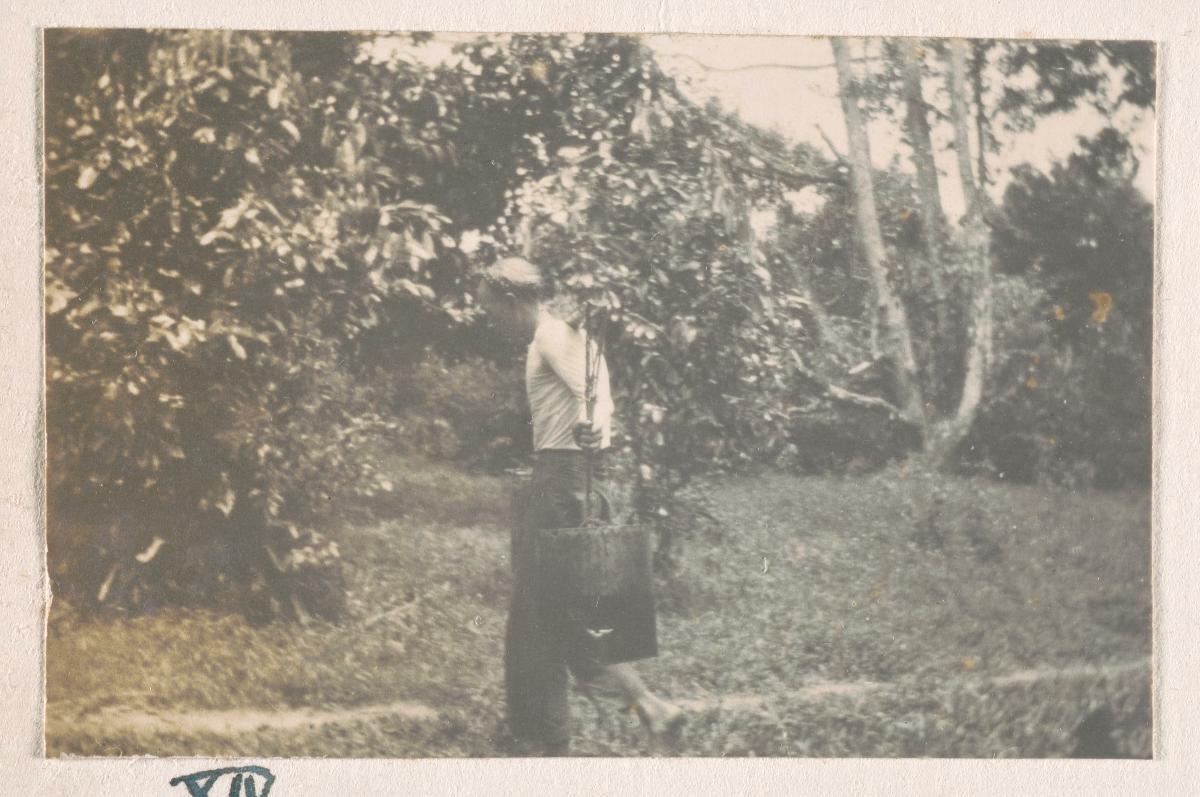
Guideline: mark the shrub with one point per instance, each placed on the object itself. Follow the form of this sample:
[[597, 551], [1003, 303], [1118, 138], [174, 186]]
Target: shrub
[[212, 254], [1074, 411]]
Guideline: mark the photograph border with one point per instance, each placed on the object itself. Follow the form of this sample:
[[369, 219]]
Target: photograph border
[[1175, 549]]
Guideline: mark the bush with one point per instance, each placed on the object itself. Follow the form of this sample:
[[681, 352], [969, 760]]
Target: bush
[[220, 232], [1073, 411], [471, 411], [1070, 400]]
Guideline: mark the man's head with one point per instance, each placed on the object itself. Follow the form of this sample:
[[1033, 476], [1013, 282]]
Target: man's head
[[509, 292]]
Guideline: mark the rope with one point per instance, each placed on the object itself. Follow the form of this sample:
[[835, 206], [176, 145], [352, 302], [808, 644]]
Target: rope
[[592, 377]]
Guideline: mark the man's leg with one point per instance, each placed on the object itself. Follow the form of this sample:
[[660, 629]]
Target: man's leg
[[519, 686], [521, 631], [661, 718], [536, 680], [555, 707]]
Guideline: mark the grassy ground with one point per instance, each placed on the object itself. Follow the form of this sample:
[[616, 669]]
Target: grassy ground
[[951, 617]]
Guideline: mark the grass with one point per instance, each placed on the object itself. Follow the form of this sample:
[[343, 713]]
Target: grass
[[933, 589]]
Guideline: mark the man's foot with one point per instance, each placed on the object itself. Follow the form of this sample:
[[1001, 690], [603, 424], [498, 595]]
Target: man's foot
[[664, 722]]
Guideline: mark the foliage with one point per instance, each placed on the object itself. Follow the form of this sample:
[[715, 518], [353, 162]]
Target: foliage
[[637, 214], [824, 243], [259, 259], [1042, 78], [1083, 228], [236, 221], [218, 233], [1072, 396], [470, 411]]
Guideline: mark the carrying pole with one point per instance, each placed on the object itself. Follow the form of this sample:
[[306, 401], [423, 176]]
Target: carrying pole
[[589, 400]]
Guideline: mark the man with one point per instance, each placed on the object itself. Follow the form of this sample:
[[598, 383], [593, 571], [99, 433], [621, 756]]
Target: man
[[545, 642]]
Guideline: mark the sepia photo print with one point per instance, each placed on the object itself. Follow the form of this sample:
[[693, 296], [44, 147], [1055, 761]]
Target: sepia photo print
[[418, 395]]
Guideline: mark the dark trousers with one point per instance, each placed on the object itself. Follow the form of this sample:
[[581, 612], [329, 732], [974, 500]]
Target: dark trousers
[[552, 634], [537, 663]]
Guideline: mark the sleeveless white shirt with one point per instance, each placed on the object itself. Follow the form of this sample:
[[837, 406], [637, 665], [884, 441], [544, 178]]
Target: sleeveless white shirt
[[555, 382]]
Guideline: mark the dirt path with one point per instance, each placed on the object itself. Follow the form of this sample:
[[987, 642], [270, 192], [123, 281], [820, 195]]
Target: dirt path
[[817, 691], [231, 722], [237, 721]]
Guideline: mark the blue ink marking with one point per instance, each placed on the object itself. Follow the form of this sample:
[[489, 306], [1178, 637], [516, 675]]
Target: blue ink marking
[[199, 784]]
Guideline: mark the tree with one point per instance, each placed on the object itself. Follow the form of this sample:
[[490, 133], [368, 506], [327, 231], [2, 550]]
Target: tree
[[975, 235], [893, 320], [209, 323], [643, 212], [920, 139], [932, 218], [214, 231], [1064, 75]]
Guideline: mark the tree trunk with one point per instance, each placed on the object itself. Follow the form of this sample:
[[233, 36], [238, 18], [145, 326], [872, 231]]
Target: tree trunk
[[738, 225], [978, 62], [895, 339], [525, 236], [824, 335], [916, 127], [933, 218], [975, 234]]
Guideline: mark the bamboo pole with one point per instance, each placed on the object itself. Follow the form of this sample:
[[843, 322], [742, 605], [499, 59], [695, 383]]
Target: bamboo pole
[[589, 400]]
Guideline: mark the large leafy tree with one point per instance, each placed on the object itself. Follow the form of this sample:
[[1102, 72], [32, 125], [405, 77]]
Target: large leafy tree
[[238, 221], [216, 238], [637, 202]]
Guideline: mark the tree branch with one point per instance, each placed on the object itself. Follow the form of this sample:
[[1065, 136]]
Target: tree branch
[[839, 393], [829, 143], [786, 173], [749, 67]]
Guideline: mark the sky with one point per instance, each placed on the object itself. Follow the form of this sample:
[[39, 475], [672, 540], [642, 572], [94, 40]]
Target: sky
[[803, 106]]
